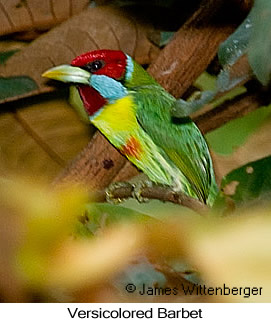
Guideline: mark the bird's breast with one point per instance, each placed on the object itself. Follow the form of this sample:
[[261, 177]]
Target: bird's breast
[[116, 117]]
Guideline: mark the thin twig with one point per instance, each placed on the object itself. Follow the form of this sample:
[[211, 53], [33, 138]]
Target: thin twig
[[156, 192]]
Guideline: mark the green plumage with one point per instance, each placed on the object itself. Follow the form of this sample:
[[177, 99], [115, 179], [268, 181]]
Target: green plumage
[[179, 141]]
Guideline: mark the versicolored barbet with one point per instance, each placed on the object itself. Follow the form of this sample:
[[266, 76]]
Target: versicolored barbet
[[133, 112]]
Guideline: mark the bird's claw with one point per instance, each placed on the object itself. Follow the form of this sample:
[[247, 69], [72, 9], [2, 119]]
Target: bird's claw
[[109, 192], [137, 190]]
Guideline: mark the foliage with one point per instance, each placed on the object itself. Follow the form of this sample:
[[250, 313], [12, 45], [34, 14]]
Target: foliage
[[249, 183], [4, 56], [100, 215], [16, 86], [251, 38], [237, 131], [260, 41]]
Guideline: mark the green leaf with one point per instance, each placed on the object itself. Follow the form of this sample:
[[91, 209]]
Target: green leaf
[[166, 37], [100, 215], [82, 231], [15, 86], [159, 210], [250, 182], [229, 52], [259, 52], [4, 56]]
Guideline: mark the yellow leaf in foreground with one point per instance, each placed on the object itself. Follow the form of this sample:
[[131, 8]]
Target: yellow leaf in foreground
[[235, 253], [80, 263]]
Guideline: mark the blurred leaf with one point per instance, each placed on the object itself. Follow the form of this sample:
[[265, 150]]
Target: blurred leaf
[[62, 44], [46, 258], [16, 86], [18, 16], [234, 134], [159, 210], [91, 261], [235, 71], [234, 252], [45, 216], [260, 41], [9, 45], [256, 146], [42, 207], [249, 182], [4, 56], [81, 230], [97, 216]]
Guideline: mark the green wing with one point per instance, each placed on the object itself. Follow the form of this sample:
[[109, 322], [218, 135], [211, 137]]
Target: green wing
[[180, 140]]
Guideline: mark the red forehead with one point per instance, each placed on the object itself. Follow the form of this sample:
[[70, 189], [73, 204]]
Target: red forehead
[[115, 62], [107, 55]]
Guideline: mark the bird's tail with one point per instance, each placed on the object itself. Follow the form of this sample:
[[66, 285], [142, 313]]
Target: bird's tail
[[213, 191]]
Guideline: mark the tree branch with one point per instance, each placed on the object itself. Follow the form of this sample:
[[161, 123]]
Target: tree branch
[[229, 110], [156, 192], [191, 50]]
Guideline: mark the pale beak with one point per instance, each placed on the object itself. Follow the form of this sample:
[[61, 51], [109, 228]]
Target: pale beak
[[68, 74]]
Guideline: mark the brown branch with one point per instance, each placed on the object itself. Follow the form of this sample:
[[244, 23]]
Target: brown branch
[[156, 192], [192, 49], [96, 165], [244, 5], [229, 110]]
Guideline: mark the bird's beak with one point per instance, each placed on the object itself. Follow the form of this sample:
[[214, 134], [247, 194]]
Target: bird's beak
[[68, 74]]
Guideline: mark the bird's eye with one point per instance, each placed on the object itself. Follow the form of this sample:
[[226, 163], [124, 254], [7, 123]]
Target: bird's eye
[[93, 66]]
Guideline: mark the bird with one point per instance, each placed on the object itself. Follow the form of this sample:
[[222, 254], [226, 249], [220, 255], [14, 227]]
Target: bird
[[133, 112]]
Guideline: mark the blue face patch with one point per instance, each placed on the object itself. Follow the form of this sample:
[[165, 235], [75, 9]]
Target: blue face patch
[[129, 68], [109, 88]]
